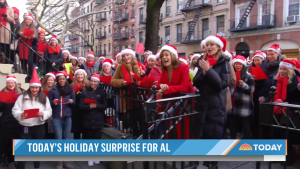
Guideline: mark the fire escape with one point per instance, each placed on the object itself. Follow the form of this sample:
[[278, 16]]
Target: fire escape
[[119, 18], [197, 6], [246, 14]]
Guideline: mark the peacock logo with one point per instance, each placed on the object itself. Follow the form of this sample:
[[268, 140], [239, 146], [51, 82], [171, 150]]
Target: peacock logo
[[245, 147]]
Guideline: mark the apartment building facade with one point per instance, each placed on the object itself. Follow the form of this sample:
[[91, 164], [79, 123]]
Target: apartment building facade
[[268, 22]]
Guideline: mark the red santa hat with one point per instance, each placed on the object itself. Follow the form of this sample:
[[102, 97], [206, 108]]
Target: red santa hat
[[117, 55], [16, 10], [259, 54], [195, 55], [220, 41], [151, 57], [228, 54], [11, 78], [52, 74], [91, 54], [108, 62], [171, 49], [80, 70], [157, 54], [290, 63], [41, 31], [54, 37], [275, 47], [128, 51], [240, 59], [73, 57], [183, 59], [66, 51], [96, 77], [81, 58], [35, 81], [101, 57], [29, 16], [62, 73]]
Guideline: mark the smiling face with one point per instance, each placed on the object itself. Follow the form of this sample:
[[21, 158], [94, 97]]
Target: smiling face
[[65, 55], [101, 60], [212, 48], [195, 59], [50, 82], [73, 61], [90, 59], [62, 80], [257, 61], [28, 21], [41, 36], [119, 58], [166, 58], [106, 69], [16, 16], [238, 66], [11, 85], [151, 63], [94, 83], [79, 76], [146, 54], [34, 90], [127, 58], [283, 71], [80, 61], [53, 42], [272, 55]]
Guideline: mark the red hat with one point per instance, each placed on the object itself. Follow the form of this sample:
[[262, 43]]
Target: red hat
[[16, 10], [228, 54], [29, 16], [232, 54], [102, 57], [81, 58], [275, 47], [290, 63], [259, 54], [117, 55], [183, 59], [91, 53], [52, 74], [220, 41], [35, 81], [41, 31], [54, 37], [171, 49], [128, 51], [62, 73], [11, 78], [108, 62], [80, 70], [96, 77], [239, 58]]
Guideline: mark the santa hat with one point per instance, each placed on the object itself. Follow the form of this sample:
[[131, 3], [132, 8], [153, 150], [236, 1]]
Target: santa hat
[[80, 70], [35, 81], [259, 54], [117, 55], [81, 58], [202, 44], [52, 74], [249, 61], [220, 41], [128, 51], [96, 77], [183, 59], [66, 51], [151, 57], [11, 78], [41, 31], [149, 52], [290, 63], [108, 62], [16, 10], [157, 55], [228, 54], [265, 54], [102, 57], [73, 57], [29, 16], [54, 37], [275, 47], [62, 73], [171, 49], [195, 55], [239, 58], [91, 53]]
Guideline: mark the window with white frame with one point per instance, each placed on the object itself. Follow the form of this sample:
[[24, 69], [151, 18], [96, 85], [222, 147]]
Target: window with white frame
[[179, 32], [179, 5], [294, 7], [219, 1], [265, 17], [220, 24]]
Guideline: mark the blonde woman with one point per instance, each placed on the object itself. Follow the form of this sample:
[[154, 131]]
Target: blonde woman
[[193, 70]]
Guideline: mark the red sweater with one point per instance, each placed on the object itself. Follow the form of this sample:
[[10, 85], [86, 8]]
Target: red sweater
[[155, 72], [180, 82]]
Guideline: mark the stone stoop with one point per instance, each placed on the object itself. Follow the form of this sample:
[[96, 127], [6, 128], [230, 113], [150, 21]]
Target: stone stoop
[[5, 70]]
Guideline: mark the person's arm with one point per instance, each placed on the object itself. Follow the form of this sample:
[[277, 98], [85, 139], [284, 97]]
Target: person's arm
[[47, 112], [51, 98], [218, 81], [248, 86], [47, 58], [82, 105], [17, 110], [116, 80], [103, 104], [232, 78]]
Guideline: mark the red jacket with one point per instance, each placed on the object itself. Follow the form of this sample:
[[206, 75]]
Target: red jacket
[[180, 82], [155, 72]]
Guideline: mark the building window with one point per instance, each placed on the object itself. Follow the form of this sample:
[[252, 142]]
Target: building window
[[91, 7], [109, 31], [168, 9], [88, 9], [141, 37], [179, 32], [109, 48], [167, 34], [132, 11], [220, 24], [205, 28], [132, 46], [181, 54], [104, 29], [115, 49], [141, 12], [88, 38], [294, 7], [132, 30], [265, 11], [109, 13], [193, 32], [126, 10], [126, 46], [179, 5], [240, 13], [104, 49], [219, 1]]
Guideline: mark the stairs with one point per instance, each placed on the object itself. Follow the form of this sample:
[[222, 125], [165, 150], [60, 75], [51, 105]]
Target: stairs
[[246, 14], [6, 70], [193, 24]]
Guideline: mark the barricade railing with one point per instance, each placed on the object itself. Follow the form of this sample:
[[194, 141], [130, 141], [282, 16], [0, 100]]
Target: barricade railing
[[279, 121]]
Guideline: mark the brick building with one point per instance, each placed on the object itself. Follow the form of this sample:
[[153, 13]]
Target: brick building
[[268, 22]]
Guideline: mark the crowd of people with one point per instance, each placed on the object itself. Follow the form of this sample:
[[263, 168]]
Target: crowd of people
[[70, 98]]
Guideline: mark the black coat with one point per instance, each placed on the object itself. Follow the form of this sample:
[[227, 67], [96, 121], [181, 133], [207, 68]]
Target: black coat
[[56, 58], [77, 115], [212, 101], [93, 118], [8, 122]]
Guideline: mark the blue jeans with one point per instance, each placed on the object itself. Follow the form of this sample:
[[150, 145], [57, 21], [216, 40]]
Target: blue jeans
[[62, 127]]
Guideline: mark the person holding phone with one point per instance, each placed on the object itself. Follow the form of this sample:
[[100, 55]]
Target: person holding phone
[[31, 110]]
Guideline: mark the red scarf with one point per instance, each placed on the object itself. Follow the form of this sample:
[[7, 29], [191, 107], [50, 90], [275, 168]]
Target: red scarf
[[281, 88], [52, 49], [211, 60], [126, 74], [238, 78], [90, 64], [3, 19], [146, 63]]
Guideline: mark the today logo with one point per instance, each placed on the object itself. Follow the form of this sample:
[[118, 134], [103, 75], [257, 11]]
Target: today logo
[[261, 147]]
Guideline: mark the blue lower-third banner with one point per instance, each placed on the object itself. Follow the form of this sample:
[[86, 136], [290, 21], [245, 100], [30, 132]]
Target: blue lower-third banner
[[148, 147]]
